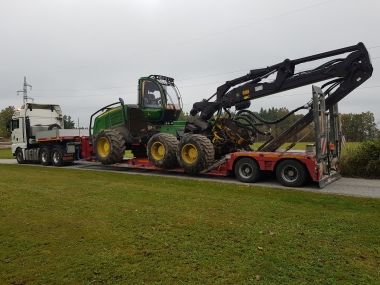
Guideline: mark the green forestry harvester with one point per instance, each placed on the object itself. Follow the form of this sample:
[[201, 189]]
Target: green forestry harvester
[[150, 128]]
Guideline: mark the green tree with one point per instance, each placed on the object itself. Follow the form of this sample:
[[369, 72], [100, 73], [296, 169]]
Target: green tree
[[5, 115], [68, 123], [359, 127]]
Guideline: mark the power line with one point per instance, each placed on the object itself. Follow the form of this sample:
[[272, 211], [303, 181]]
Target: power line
[[77, 96], [289, 95], [90, 89], [182, 43], [192, 40], [205, 76]]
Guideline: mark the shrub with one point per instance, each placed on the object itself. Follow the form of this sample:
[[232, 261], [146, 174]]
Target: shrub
[[363, 161]]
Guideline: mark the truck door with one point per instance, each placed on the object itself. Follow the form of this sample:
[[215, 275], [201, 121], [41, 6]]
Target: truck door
[[17, 128]]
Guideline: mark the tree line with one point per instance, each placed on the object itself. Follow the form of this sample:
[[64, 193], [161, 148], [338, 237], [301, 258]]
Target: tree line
[[356, 127]]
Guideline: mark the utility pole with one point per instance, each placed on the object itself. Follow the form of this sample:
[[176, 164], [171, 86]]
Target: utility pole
[[25, 92]]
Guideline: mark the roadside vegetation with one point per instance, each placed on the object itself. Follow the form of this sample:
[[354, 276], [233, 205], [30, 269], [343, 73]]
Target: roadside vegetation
[[90, 227], [362, 161]]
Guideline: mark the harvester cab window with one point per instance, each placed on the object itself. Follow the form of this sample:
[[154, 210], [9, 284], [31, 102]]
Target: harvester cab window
[[172, 99], [151, 95]]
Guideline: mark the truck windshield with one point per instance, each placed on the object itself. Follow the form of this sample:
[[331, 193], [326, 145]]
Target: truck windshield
[[172, 98]]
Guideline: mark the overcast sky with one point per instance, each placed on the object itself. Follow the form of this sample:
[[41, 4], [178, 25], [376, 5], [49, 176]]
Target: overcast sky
[[84, 55]]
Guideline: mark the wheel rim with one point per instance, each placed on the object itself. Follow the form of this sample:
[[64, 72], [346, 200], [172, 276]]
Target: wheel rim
[[189, 153], [56, 156], [245, 170], [103, 147], [44, 156], [289, 173], [158, 150]]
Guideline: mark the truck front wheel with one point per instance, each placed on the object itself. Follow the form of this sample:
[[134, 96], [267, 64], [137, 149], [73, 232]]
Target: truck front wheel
[[291, 173], [19, 156]]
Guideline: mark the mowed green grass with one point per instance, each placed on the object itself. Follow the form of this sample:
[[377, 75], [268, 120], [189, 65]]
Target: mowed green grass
[[62, 226], [6, 153]]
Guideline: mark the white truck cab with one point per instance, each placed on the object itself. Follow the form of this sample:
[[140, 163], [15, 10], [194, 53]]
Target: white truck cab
[[29, 120]]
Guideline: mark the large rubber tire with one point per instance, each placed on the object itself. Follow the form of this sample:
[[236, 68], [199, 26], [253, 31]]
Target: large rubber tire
[[162, 149], [291, 173], [19, 156], [109, 146], [247, 170], [45, 157], [57, 156], [195, 152]]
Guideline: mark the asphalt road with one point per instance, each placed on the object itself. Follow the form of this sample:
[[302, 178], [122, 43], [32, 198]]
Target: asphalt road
[[343, 186]]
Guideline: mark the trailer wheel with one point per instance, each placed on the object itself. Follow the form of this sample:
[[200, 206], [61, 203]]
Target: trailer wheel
[[45, 156], [109, 146], [162, 150], [247, 170], [195, 152], [19, 156], [291, 173], [54, 127], [57, 156]]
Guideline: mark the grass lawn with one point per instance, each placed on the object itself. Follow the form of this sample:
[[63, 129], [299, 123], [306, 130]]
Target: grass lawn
[[6, 153], [62, 226]]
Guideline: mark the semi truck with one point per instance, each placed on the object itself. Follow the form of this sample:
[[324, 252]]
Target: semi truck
[[215, 142]]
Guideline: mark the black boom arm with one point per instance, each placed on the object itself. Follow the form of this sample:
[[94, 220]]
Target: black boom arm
[[348, 74]]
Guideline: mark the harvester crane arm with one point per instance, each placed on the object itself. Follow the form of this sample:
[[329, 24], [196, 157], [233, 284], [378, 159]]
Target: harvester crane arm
[[348, 73]]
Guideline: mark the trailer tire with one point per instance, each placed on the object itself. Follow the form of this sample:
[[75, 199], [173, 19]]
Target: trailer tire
[[54, 127], [19, 156], [45, 157], [109, 146], [162, 150], [247, 170], [195, 152], [291, 173], [57, 156]]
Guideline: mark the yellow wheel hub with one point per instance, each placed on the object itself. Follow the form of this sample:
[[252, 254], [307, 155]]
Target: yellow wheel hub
[[189, 153], [103, 147], [158, 150]]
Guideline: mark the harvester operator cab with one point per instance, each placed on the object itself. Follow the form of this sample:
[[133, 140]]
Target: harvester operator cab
[[152, 95], [159, 99]]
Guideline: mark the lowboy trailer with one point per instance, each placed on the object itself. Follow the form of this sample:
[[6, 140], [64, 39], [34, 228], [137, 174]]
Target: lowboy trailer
[[49, 144]]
